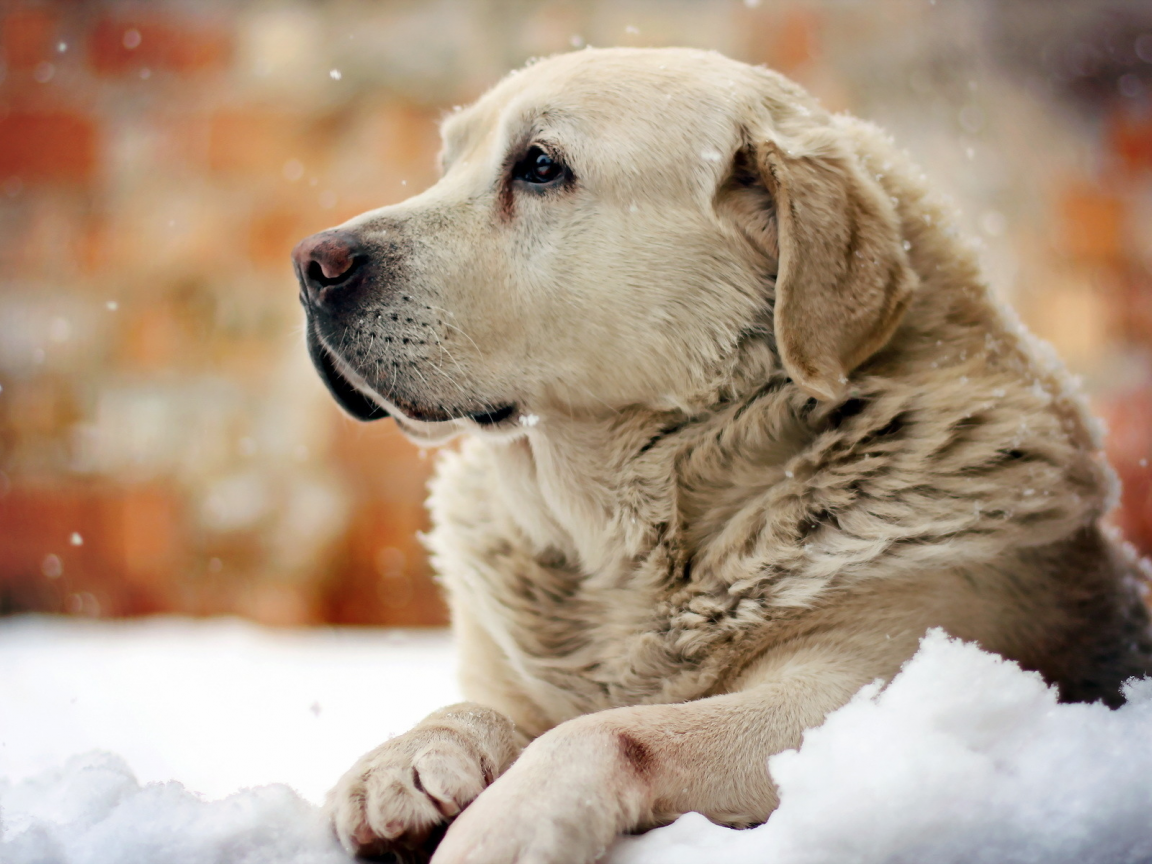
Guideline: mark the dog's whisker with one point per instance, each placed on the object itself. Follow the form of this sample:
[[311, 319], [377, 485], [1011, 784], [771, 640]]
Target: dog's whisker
[[460, 330]]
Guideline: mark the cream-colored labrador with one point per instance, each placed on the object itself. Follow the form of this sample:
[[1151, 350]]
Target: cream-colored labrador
[[743, 423]]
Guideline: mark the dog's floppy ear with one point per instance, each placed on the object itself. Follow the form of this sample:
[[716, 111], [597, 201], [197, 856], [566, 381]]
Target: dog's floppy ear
[[843, 279]]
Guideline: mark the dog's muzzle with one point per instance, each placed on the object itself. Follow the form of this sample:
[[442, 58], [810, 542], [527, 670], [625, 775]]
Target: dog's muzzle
[[349, 398], [328, 265]]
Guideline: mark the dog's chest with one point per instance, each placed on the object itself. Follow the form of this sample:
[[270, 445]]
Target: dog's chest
[[575, 643], [573, 640]]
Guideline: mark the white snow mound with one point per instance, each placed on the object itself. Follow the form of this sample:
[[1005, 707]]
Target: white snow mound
[[93, 811], [962, 758]]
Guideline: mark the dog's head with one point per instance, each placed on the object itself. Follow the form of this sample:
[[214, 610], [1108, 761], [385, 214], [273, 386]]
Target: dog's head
[[611, 227]]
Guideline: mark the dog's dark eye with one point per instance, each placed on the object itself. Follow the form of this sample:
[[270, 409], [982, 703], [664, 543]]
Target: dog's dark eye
[[538, 167]]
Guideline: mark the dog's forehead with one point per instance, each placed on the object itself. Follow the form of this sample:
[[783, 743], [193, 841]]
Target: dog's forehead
[[593, 91]]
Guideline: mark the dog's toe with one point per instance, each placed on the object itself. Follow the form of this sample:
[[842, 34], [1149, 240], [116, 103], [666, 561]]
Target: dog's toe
[[396, 801]]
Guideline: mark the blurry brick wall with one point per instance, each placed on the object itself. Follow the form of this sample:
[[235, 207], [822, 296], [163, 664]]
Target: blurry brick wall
[[164, 444]]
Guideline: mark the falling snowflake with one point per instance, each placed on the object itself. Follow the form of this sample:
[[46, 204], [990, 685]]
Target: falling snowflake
[[51, 566]]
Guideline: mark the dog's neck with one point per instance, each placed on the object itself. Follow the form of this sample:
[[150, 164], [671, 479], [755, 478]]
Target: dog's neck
[[577, 489], [605, 489]]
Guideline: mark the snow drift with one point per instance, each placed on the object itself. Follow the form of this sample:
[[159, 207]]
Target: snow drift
[[93, 811], [962, 758]]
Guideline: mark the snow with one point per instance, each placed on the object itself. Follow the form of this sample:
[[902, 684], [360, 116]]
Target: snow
[[93, 810], [226, 736], [964, 758], [216, 705]]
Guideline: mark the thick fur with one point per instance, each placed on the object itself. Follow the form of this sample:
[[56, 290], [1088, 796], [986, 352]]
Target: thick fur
[[772, 428]]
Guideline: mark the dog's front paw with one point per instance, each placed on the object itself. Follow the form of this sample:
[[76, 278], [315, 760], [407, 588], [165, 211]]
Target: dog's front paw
[[563, 802], [397, 799]]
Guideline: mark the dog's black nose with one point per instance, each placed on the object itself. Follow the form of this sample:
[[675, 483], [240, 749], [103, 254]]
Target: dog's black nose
[[327, 262]]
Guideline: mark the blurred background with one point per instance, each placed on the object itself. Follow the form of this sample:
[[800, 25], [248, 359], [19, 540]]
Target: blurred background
[[165, 446]]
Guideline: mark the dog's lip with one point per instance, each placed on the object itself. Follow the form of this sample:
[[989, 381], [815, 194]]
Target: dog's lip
[[346, 388], [361, 400], [493, 416]]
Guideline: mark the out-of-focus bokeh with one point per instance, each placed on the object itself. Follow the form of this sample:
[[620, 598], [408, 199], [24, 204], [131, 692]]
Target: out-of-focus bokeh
[[164, 443]]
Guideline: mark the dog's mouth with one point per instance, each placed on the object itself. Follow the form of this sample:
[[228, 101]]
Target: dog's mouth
[[356, 397], [347, 395], [493, 416]]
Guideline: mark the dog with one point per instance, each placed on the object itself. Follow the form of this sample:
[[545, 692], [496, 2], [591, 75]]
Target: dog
[[741, 423]]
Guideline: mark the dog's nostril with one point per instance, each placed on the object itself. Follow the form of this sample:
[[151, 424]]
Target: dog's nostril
[[324, 277], [327, 260]]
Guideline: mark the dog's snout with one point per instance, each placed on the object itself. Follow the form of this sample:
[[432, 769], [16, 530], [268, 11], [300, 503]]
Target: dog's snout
[[327, 261]]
